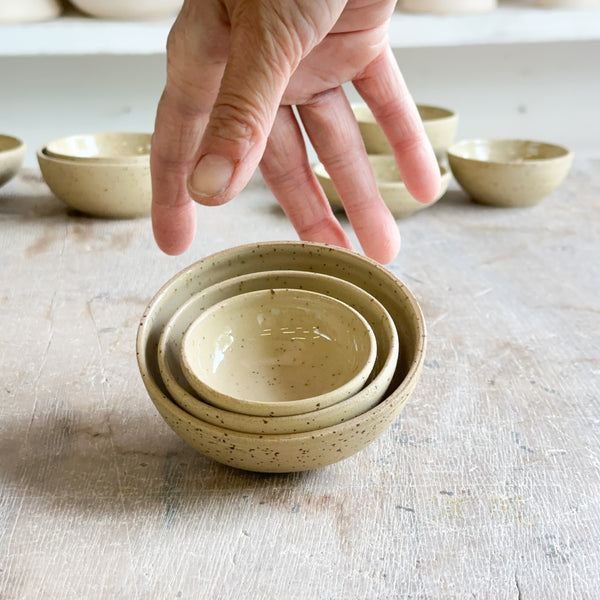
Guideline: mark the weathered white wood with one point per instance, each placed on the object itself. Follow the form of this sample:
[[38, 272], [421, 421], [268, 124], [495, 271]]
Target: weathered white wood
[[488, 486]]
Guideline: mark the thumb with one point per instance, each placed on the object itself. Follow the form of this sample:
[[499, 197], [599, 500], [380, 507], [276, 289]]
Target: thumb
[[266, 46]]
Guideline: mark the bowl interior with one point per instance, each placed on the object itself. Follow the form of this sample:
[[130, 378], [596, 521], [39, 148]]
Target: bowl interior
[[8, 143], [506, 151], [101, 146], [277, 346], [434, 113]]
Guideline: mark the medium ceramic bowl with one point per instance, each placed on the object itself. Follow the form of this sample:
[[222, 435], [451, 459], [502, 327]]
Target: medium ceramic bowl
[[508, 173], [447, 7], [12, 154], [376, 315], [440, 126], [108, 147], [116, 190], [278, 352], [28, 11], [128, 9], [296, 451], [390, 184]]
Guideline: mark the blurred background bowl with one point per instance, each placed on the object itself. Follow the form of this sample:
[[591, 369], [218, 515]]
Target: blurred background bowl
[[12, 154], [128, 9], [26, 11], [508, 172], [117, 146]]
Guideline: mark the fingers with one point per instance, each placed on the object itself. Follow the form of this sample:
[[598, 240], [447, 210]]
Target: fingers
[[382, 87], [198, 43], [332, 129], [286, 170]]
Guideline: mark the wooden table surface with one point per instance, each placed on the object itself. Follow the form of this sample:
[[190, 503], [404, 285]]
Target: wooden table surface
[[487, 486]]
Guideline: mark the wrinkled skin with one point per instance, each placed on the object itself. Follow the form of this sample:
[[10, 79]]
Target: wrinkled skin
[[235, 69]]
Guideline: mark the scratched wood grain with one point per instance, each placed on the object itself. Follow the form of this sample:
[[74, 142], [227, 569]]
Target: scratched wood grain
[[488, 486]]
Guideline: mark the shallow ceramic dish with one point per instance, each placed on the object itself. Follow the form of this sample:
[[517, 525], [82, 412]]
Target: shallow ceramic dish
[[378, 318], [508, 173], [278, 352], [117, 146], [296, 451], [440, 126], [29, 11], [128, 9], [12, 154], [390, 184], [107, 190]]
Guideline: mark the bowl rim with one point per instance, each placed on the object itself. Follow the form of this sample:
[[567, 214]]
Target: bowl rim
[[18, 144], [99, 163], [448, 113], [408, 382], [453, 151], [367, 358]]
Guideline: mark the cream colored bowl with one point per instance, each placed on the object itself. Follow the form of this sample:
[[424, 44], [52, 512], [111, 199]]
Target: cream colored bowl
[[508, 173], [12, 154], [440, 126], [378, 318], [278, 352], [297, 451], [116, 190], [26, 11], [447, 7], [390, 184], [128, 9], [118, 146]]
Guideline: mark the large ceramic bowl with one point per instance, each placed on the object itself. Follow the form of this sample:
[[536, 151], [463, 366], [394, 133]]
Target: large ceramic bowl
[[508, 173], [106, 147], [128, 9], [391, 187], [440, 126], [278, 352], [297, 451], [12, 154], [376, 315], [116, 190]]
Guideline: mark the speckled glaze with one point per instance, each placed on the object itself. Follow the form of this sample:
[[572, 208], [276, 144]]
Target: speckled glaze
[[128, 9], [378, 318], [440, 126], [278, 352], [109, 190], [447, 7], [106, 147], [390, 184], [29, 11], [297, 451], [12, 154], [508, 173]]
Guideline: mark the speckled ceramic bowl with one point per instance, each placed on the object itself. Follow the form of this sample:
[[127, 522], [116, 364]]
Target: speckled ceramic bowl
[[390, 184], [297, 451], [508, 173], [440, 126], [116, 190], [378, 318], [106, 147], [128, 9], [278, 352], [12, 154]]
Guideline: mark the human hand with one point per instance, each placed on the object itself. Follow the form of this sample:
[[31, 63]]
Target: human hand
[[235, 69]]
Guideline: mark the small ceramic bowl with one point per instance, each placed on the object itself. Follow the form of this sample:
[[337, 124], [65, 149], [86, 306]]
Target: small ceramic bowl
[[29, 11], [376, 315], [440, 126], [390, 184], [280, 453], [128, 9], [105, 147], [12, 154], [278, 352], [114, 190], [508, 173], [447, 7]]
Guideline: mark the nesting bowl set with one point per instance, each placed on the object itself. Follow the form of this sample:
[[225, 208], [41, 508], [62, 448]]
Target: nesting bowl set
[[281, 356]]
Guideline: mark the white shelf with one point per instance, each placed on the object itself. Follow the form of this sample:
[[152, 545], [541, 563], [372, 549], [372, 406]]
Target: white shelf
[[74, 34]]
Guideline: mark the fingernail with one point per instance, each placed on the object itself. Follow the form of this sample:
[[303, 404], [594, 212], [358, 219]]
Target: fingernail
[[211, 175]]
